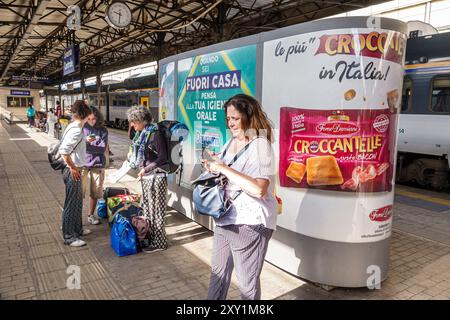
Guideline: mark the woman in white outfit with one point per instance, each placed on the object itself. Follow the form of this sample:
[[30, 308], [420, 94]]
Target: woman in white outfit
[[51, 121]]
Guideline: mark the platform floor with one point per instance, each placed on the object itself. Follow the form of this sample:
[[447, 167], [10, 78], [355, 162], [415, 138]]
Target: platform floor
[[34, 260]]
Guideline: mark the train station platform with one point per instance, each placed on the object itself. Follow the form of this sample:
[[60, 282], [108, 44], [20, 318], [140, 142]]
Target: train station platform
[[13, 115], [34, 261]]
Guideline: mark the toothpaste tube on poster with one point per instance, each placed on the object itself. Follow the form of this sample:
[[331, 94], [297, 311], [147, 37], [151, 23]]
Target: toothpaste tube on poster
[[342, 150]]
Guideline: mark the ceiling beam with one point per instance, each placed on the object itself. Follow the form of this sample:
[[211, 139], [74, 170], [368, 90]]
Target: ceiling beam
[[33, 14]]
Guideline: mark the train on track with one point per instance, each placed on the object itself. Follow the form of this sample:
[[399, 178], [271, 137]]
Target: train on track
[[424, 124]]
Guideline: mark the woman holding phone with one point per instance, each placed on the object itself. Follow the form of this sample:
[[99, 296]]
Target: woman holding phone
[[93, 173], [242, 234]]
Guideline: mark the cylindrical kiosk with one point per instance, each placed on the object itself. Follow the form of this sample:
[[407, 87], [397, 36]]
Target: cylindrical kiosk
[[332, 89], [334, 92]]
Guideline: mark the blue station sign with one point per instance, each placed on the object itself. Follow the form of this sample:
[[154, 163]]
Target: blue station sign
[[20, 92]]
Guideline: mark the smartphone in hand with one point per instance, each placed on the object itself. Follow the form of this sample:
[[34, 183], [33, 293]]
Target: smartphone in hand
[[206, 155]]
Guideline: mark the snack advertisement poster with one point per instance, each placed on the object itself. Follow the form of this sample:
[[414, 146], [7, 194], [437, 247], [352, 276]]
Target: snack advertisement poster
[[336, 150], [334, 97]]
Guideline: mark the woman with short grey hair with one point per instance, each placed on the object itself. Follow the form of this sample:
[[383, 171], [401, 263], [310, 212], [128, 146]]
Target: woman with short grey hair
[[139, 114], [148, 153]]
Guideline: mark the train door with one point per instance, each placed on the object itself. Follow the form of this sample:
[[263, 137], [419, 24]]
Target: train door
[[145, 101]]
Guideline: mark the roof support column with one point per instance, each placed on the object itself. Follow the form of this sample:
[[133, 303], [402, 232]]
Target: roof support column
[[98, 76], [83, 87]]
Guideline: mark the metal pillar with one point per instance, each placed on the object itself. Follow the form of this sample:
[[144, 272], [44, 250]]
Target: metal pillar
[[107, 104], [60, 100], [83, 87]]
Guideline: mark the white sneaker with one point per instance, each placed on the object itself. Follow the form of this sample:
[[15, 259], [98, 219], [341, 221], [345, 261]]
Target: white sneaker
[[93, 220], [78, 243], [86, 232]]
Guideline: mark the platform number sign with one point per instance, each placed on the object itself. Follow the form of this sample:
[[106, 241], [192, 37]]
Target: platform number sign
[[74, 19]]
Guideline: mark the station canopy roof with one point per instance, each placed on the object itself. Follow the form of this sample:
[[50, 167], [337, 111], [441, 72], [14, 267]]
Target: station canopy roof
[[34, 33]]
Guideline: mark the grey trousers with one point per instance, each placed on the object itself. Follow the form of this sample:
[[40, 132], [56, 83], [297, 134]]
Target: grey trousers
[[245, 247], [72, 222]]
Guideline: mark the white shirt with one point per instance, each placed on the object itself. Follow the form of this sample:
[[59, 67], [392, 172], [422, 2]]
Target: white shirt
[[257, 162], [71, 139]]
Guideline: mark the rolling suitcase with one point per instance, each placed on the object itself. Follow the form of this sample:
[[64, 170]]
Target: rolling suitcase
[[114, 191]]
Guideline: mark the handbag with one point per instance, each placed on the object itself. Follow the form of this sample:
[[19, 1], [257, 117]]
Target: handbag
[[209, 190], [54, 157]]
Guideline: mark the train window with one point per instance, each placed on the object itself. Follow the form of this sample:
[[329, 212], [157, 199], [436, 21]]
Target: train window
[[440, 95], [406, 94]]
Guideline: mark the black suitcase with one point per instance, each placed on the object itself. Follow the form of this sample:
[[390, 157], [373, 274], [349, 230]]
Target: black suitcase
[[114, 191]]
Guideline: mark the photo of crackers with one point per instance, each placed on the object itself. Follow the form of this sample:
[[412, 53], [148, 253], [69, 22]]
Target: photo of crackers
[[296, 171], [323, 171]]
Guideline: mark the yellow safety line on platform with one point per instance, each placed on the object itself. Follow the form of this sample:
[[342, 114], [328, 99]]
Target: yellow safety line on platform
[[422, 197]]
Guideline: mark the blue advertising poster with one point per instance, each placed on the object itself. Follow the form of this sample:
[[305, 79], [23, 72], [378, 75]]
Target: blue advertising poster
[[205, 83], [69, 60]]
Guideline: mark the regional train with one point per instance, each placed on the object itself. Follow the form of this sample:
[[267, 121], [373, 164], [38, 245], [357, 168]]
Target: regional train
[[424, 124], [115, 98], [121, 100]]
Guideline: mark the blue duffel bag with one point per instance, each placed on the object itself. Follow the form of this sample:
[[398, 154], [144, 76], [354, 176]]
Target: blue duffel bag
[[123, 237]]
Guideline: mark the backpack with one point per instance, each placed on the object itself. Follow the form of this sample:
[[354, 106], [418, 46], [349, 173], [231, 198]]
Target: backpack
[[173, 132], [54, 157]]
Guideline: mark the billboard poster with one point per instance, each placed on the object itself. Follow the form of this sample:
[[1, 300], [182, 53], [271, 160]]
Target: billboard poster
[[205, 83], [336, 150], [336, 105], [167, 92]]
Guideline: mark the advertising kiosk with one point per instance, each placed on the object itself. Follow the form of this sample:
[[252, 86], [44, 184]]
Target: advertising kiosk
[[332, 89]]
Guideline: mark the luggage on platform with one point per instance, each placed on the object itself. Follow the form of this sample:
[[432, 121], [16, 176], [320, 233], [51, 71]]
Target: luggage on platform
[[114, 191], [123, 237]]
